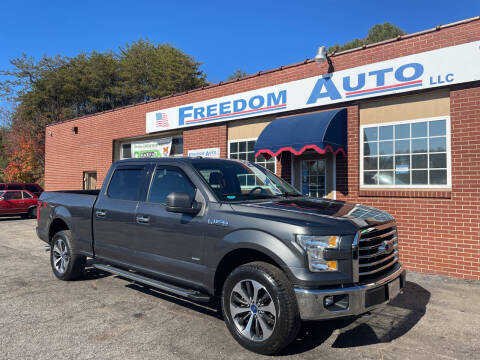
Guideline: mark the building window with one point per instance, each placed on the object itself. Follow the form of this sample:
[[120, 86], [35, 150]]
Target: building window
[[243, 150], [176, 148], [411, 154], [126, 151]]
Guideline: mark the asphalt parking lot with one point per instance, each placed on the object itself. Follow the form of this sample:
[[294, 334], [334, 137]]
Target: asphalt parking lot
[[106, 317]]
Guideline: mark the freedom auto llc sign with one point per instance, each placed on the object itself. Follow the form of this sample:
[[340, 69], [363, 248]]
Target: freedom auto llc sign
[[451, 65]]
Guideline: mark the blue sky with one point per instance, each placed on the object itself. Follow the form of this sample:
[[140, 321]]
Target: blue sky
[[223, 35]]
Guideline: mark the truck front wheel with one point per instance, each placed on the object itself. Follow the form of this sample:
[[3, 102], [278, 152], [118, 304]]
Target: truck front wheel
[[66, 264], [259, 308]]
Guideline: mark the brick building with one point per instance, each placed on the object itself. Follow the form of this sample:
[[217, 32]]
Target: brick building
[[411, 136]]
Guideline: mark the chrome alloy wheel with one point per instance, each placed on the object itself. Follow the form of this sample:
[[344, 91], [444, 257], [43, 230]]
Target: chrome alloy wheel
[[253, 310], [61, 257]]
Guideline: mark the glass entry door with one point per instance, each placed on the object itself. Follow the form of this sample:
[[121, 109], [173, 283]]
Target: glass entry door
[[314, 177]]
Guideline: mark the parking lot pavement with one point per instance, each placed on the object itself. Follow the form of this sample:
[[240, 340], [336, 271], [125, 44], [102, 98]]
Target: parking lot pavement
[[106, 317]]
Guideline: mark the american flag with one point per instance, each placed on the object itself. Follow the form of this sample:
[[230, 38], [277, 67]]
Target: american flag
[[162, 120]]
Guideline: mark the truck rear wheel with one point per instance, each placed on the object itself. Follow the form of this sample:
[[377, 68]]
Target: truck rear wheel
[[259, 308], [66, 264]]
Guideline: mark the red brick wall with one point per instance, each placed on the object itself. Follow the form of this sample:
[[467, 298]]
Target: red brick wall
[[206, 137], [439, 231]]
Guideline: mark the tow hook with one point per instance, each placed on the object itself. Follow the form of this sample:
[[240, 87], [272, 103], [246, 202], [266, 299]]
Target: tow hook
[[46, 247]]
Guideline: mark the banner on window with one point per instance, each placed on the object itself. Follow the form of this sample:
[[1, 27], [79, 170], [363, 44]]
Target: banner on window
[[152, 148]]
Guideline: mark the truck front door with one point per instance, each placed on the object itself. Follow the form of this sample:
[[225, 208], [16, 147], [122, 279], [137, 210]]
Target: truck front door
[[170, 243]]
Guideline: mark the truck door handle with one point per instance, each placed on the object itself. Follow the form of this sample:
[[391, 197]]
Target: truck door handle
[[100, 213], [143, 219]]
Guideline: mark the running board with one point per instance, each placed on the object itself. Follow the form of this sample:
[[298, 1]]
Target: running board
[[188, 293]]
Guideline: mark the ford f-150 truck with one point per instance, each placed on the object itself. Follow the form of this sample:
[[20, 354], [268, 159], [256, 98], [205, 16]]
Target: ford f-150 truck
[[208, 229]]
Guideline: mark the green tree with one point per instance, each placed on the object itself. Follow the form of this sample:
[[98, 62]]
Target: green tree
[[377, 33], [58, 88], [237, 74], [150, 71]]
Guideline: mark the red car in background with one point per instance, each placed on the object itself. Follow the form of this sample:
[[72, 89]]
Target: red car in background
[[18, 202], [33, 188]]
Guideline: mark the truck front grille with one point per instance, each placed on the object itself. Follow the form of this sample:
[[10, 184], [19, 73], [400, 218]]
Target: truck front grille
[[377, 251]]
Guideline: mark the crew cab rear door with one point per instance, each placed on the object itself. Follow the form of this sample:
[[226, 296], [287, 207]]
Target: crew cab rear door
[[114, 213], [170, 243]]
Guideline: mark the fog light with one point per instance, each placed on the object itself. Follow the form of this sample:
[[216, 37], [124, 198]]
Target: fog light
[[327, 301], [336, 302]]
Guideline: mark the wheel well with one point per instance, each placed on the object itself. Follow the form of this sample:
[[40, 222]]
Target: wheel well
[[56, 226], [234, 259]]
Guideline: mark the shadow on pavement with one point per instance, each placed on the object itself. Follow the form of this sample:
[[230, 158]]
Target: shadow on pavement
[[384, 324], [211, 309]]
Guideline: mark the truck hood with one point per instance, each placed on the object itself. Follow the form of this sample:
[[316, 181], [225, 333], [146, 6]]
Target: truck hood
[[308, 207]]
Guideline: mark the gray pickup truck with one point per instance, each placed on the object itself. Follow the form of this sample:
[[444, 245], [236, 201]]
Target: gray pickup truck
[[208, 229]]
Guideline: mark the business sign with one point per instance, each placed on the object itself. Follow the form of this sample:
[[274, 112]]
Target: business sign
[[450, 65], [210, 153], [152, 148]]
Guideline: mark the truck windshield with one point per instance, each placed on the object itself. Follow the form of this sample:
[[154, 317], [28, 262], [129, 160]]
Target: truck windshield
[[242, 180]]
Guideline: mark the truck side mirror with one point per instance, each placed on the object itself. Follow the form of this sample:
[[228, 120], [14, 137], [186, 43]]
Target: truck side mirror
[[2, 198], [180, 202]]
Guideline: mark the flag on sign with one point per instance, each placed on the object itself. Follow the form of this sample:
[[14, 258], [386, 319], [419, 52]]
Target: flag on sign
[[162, 120]]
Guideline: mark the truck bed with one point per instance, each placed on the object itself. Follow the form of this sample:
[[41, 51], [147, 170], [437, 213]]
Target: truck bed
[[75, 207]]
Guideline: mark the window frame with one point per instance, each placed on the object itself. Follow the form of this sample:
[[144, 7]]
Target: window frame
[[448, 185], [246, 140]]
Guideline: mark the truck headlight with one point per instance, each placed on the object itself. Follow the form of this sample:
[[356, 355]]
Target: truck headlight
[[314, 247]]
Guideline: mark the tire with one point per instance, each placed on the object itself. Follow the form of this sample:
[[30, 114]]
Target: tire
[[273, 314], [66, 264], [32, 212]]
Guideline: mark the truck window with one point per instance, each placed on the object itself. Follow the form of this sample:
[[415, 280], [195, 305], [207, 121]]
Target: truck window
[[126, 184], [167, 180], [14, 187]]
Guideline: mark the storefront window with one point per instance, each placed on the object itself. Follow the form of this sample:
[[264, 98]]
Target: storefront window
[[176, 148], [243, 150], [406, 154], [126, 151]]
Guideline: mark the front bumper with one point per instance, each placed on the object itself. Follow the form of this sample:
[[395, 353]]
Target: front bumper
[[353, 300]]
